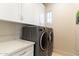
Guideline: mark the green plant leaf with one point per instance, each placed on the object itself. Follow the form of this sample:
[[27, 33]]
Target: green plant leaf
[[77, 13]]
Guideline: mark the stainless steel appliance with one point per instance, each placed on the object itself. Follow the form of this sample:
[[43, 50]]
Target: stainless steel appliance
[[38, 35], [51, 39]]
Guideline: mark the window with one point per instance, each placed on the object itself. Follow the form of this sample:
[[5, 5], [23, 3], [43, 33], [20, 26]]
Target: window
[[49, 17]]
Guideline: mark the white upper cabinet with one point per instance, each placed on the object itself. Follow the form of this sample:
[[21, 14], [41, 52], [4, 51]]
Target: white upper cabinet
[[42, 15], [49, 19], [36, 14], [27, 13], [31, 13], [9, 11]]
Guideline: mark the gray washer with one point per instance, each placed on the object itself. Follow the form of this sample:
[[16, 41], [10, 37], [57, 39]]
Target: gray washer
[[38, 35]]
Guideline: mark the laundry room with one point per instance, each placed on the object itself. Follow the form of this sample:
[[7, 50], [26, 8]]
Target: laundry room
[[39, 29]]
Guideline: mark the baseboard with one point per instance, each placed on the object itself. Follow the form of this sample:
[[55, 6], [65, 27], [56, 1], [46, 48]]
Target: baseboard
[[64, 53], [77, 52]]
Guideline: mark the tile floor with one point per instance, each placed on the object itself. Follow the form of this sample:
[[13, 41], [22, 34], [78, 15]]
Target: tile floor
[[56, 54]]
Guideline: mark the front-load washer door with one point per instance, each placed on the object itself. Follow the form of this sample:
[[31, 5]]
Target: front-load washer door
[[44, 41]]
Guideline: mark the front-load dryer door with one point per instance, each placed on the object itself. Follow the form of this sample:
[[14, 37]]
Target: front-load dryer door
[[51, 37], [44, 41]]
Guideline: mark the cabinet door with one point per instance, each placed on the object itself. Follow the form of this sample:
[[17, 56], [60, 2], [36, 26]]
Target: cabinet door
[[49, 20], [33, 14], [27, 13], [9, 11], [36, 14], [42, 15]]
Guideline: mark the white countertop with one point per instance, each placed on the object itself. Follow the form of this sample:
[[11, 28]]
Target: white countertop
[[13, 45]]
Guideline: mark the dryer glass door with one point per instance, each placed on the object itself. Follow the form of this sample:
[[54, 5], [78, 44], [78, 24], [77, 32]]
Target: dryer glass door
[[44, 41], [51, 36]]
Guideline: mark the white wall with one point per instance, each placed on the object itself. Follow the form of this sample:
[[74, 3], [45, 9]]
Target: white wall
[[64, 25], [9, 31]]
